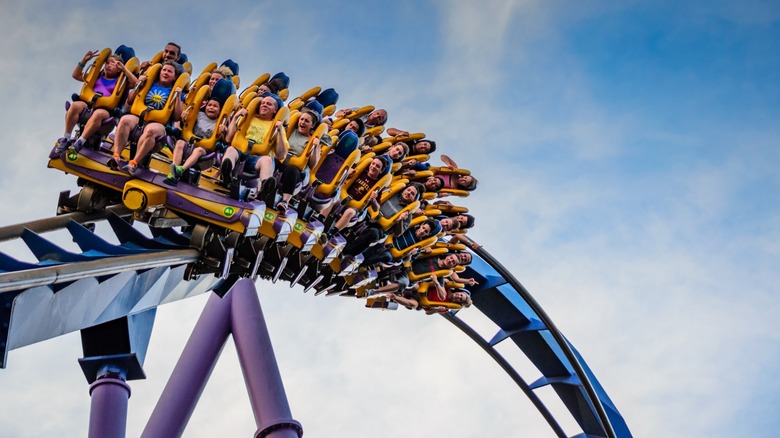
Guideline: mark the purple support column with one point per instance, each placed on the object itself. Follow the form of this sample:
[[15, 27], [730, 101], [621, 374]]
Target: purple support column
[[192, 371], [108, 407], [258, 363]]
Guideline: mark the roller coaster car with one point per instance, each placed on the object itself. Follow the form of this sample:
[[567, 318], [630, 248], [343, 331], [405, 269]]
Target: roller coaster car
[[158, 58], [326, 253], [188, 124], [341, 122], [404, 138], [381, 183], [382, 303], [298, 102], [264, 147], [451, 173], [302, 160], [91, 75], [387, 222], [162, 115], [250, 92], [331, 171], [203, 79], [424, 243], [429, 297]]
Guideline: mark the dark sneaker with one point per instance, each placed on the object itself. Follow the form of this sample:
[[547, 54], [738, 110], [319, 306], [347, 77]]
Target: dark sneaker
[[281, 206], [171, 180], [226, 171], [267, 188], [113, 163]]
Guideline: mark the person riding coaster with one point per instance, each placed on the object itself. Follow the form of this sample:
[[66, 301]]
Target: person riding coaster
[[94, 108], [362, 185], [155, 103], [201, 130], [255, 134]]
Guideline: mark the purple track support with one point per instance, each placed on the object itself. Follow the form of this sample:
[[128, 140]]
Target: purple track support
[[239, 313], [108, 408], [258, 363], [192, 371]]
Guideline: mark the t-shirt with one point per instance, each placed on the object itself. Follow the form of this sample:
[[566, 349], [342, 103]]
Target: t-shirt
[[258, 129], [361, 186], [297, 143], [157, 96], [425, 266], [405, 240], [105, 86], [392, 206], [204, 126]]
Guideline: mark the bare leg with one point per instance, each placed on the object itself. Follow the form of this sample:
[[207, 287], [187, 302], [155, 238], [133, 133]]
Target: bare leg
[[265, 167], [345, 218], [94, 123], [73, 114], [178, 152], [126, 125], [194, 157], [147, 141]]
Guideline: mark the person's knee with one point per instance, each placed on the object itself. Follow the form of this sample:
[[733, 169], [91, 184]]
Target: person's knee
[[264, 162]]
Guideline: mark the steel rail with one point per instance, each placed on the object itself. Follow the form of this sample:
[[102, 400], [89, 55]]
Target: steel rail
[[57, 222], [53, 274], [557, 335]]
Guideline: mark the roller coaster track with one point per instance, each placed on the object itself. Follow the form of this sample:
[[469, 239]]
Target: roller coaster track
[[67, 291]]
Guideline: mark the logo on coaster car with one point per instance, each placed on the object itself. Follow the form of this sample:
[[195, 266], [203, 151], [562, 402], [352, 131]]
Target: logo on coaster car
[[229, 211], [298, 226], [269, 216], [73, 156]]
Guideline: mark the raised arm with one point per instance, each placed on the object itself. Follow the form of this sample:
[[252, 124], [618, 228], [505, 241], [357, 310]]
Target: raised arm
[[78, 71]]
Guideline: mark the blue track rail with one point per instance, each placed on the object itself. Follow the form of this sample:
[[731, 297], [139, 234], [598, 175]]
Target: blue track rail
[[520, 319]]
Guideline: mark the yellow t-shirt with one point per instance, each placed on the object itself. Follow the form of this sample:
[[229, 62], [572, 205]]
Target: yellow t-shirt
[[258, 129]]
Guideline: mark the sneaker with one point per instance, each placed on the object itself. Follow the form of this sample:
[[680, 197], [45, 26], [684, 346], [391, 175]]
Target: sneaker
[[268, 188], [177, 171], [78, 144], [129, 168], [171, 180], [281, 206], [60, 146], [226, 171], [113, 163]]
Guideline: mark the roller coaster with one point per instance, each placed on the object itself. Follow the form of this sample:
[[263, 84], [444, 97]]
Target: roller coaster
[[343, 212]]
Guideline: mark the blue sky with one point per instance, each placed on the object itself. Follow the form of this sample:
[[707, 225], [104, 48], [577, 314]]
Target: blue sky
[[627, 160]]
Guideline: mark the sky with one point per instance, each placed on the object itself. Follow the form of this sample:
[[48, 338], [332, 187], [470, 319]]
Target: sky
[[626, 156]]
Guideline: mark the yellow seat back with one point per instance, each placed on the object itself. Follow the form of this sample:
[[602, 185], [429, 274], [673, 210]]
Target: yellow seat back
[[162, 115], [92, 74]]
